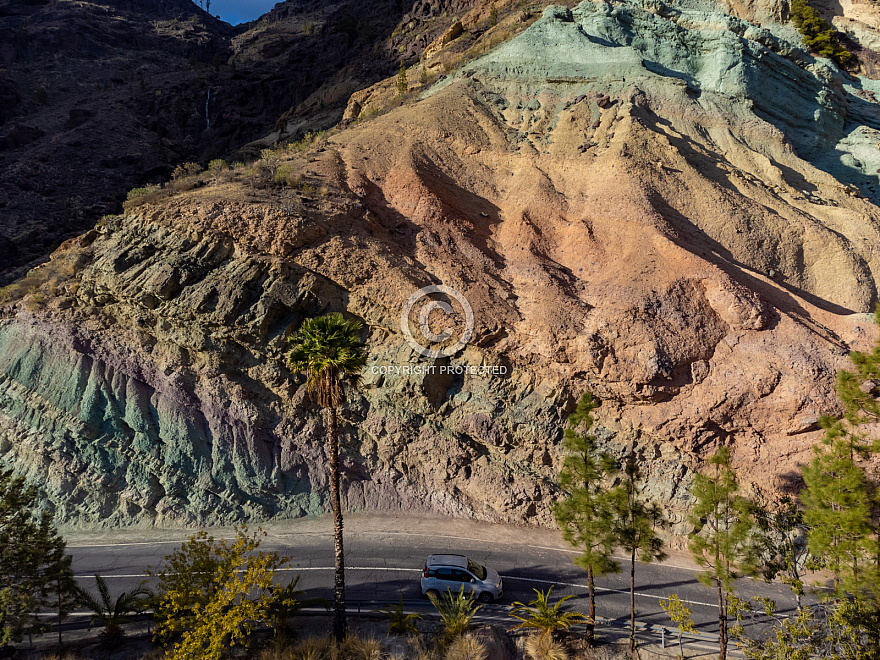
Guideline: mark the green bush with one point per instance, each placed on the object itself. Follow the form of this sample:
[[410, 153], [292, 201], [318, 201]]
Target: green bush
[[148, 189], [818, 34], [146, 195], [285, 175], [217, 165], [185, 170]]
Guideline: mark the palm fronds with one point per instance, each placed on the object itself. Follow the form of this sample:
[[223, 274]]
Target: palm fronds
[[113, 613], [540, 615]]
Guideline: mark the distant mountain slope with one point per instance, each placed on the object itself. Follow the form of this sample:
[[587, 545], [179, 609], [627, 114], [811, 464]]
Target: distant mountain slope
[[99, 97]]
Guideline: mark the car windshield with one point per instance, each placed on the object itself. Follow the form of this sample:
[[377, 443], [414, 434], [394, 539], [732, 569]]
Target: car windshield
[[476, 569]]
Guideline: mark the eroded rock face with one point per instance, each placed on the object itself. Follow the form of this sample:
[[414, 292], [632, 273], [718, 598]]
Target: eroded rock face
[[637, 219]]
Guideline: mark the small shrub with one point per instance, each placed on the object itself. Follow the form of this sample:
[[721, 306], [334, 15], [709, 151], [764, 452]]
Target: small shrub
[[299, 145], [285, 175], [493, 16], [423, 76], [466, 648], [357, 648], [184, 184], [36, 301], [456, 611], [237, 165], [539, 647], [419, 649], [818, 34], [185, 170], [309, 28], [217, 165], [402, 85], [399, 622], [312, 648], [105, 222], [137, 193]]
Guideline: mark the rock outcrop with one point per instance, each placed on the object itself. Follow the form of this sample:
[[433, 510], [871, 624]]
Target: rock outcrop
[[669, 207]]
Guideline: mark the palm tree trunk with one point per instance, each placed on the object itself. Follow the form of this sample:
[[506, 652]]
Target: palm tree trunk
[[591, 622], [632, 600], [722, 624], [339, 626]]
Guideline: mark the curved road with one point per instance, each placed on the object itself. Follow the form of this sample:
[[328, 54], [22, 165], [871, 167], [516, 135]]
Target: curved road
[[384, 557]]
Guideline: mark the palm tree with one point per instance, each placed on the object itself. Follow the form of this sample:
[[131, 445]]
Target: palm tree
[[113, 613], [455, 610], [539, 614], [328, 350]]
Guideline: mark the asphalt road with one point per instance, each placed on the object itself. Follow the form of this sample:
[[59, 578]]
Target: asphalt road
[[384, 561]]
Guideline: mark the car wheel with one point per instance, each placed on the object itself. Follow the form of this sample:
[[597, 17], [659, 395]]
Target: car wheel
[[485, 597], [432, 592]]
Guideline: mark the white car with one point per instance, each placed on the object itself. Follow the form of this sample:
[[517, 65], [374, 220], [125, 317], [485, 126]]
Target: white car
[[450, 572]]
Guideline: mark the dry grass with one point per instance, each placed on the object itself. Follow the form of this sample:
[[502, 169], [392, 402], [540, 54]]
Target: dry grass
[[358, 648], [40, 283], [539, 647], [466, 648]]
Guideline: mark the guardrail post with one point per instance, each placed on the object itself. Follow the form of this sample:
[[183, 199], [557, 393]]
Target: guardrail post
[[663, 638]]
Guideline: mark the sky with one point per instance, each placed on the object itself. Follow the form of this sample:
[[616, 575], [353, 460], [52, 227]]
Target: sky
[[240, 11]]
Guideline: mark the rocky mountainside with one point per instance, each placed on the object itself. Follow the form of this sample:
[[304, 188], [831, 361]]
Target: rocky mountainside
[[665, 204], [99, 97]]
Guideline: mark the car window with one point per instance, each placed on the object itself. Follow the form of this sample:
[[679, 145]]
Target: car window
[[461, 576], [444, 574], [476, 569]]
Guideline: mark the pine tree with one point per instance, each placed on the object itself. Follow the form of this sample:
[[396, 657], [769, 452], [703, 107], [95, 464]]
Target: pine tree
[[722, 541], [859, 392], [837, 503], [585, 515], [32, 561], [635, 528], [785, 548]]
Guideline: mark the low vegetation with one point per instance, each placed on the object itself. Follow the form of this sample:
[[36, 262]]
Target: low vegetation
[[42, 283], [819, 35], [541, 616], [456, 612], [211, 594], [112, 613], [399, 622]]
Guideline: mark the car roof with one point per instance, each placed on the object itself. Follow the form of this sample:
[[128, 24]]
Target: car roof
[[459, 561]]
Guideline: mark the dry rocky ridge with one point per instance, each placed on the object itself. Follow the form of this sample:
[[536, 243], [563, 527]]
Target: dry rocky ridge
[[103, 96], [666, 205]]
